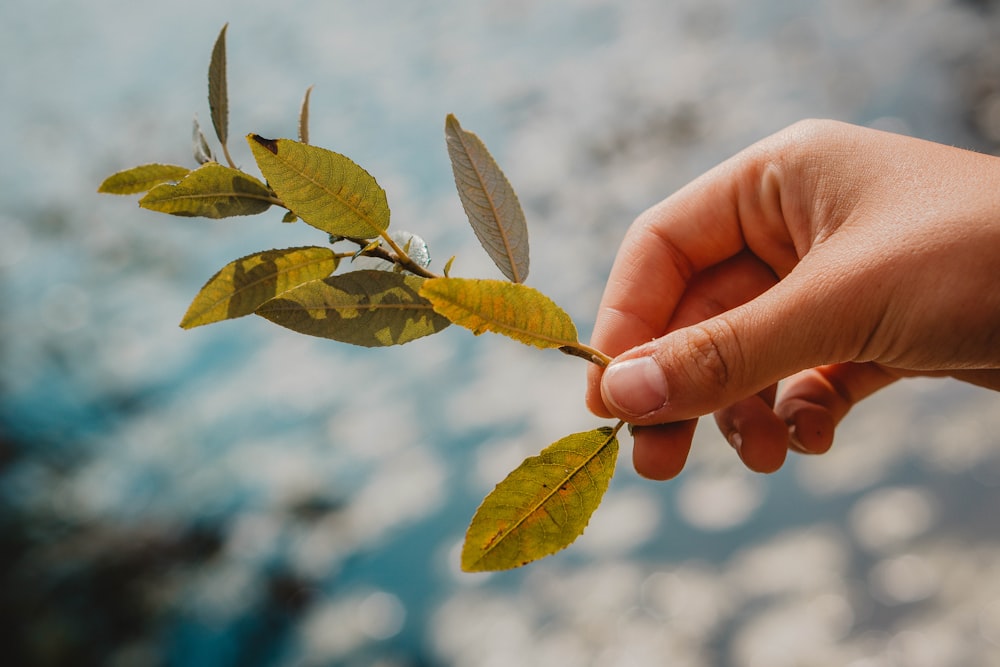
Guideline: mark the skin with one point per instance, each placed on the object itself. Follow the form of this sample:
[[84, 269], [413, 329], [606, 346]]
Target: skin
[[832, 258]]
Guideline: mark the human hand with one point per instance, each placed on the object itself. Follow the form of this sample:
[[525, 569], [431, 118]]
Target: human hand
[[832, 257]]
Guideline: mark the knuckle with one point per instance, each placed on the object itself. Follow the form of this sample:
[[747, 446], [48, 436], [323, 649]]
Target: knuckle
[[713, 359]]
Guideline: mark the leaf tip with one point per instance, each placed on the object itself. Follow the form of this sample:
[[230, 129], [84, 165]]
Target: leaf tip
[[269, 144], [220, 40], [189, 321]]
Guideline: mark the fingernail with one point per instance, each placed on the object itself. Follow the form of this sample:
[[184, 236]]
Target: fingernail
[[635, 387], [735, 441]]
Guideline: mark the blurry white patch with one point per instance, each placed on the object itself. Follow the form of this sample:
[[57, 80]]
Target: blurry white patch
[[711, 502], [625, 520], [932, 646], [488, 398], [906, 578], [374, 424], [100, 489], [888, 518], [692, 600], [302, 373], [794, 633], [405, 489], [474, 629], [253, 536], [220, 593], [798, 562], [562, 647], [321, 549], [586, 596], [989, 623], [381, 615], [281, 472], [334, 629], [961, 440]]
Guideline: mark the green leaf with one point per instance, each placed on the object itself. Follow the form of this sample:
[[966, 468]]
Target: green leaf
[[142, 178], [543, 505], [304, 117], [241, 286], [218, 94], [326, 189], [368, 308], [489, 201], [210, 191], [517, 311]]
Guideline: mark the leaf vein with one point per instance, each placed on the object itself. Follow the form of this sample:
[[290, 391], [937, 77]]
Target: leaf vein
[[540, 504]]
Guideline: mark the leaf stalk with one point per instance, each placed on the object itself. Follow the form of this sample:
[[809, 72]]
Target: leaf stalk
[[399, 257], [583, 351], [229, 158]]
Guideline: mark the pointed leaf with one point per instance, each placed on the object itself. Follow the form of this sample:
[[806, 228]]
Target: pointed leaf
[[142, 178], [327, 190], [304, 117], [368, 308], [241, 286], [210, 191], [489, 201], [543, 505], [517, 311], [218, 94]]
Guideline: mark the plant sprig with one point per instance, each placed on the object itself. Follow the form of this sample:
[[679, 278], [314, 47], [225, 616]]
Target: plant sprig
[[544, 504]]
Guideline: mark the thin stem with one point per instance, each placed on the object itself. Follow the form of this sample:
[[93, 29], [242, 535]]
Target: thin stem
[[379, 252], [392, 244], [399, 256], [591, 354], [229, 158]]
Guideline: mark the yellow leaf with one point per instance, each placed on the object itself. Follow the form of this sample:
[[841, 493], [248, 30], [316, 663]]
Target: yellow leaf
[[544, 504], [241, 286], [514, 310], [142, 178], [489, 200], [326, 189], [210, 191], [368, 308]]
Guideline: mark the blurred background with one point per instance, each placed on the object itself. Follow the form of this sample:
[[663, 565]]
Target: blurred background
[[243, 495]]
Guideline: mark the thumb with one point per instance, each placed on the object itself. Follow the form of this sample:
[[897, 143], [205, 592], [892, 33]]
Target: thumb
[[696, 370]]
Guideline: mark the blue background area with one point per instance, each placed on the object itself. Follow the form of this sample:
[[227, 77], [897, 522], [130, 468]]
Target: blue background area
[[242, 495]]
